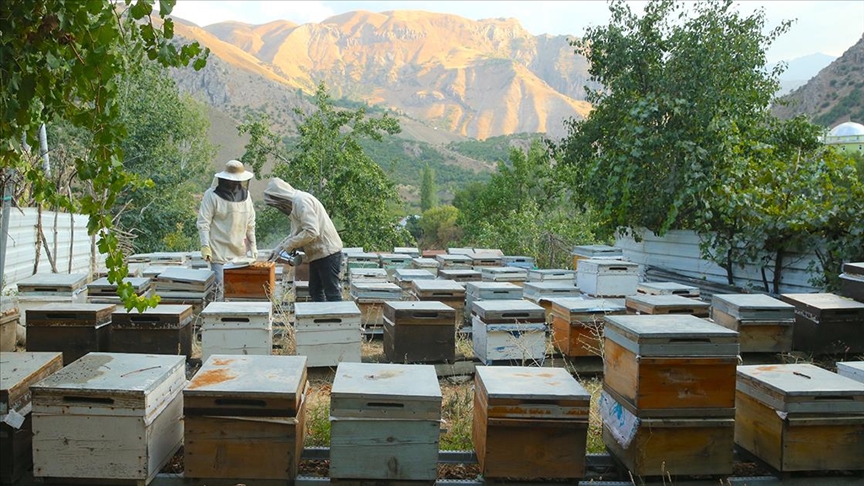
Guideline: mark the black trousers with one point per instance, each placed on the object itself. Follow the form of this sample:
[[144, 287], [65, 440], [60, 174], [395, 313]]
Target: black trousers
[[324, 278]]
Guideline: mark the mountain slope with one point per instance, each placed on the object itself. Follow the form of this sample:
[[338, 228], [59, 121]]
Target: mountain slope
[[800, 70]]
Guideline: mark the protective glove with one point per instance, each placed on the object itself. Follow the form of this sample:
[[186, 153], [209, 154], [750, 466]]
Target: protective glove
[[253, 249], [206, 253], [274, 255], [255, 255]]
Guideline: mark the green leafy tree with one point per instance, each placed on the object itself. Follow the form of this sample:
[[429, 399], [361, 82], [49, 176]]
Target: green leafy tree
[[428, 190], [328, 161], [60, 60], [439, 227]]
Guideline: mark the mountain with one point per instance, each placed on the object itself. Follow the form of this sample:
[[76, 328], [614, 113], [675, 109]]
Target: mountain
[[800, 70], [834, 95], [474, 79]]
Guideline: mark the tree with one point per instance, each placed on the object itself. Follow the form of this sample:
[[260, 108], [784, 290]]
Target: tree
[[680, 96], [328, 161], [428, 189], [60, 59], [439, 227]]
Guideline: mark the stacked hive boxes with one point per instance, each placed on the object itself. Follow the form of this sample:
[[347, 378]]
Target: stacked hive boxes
[[125, 409], [384, 422], [607, 278], [827, 323], [448, 292], [367, 275], [411, 251], [454, 262], [477, 291], [484, 259], [370, 298], [101, 291], [393, 261], [425, 263], [363, 260], [177, 285], [73, 329], [799, 417], [666, 304], [50, 288], [237, 328], [508, 331], [550, 274], [577, 324], [404, 276], [164, 329], [852, 281], [18, 372], [851, 369], [585, 252], [9, 317], [419, 332], [764, 324], [244, 418], [529, 422], [250, 282], [668, 288], [668, 398], [460, 274], [327, 333], [542, 293], [514, 275], [525, 262]]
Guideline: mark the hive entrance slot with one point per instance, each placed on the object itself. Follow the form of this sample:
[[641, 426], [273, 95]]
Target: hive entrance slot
[[88, 400]]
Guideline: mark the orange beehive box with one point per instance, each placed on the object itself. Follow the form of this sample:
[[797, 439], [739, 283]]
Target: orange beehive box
[[254, 281]]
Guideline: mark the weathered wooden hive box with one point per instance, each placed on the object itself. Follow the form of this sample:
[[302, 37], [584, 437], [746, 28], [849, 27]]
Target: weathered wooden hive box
[[607, 278], [484, 259], [764, 324], [101, 291], [586, 252], [419, 332], [668, 288], [50, 288], [363, 260], [9, 319], [385, 422], [508, 330], [367, 275], [179, 285], [392, 261], [799, 417], [459, 251], [244, 418], [370, 298], [124, 410], [425, 263], [411, 251], [18, 371], [254, 281], [827, 323], [164, 329], [455, 261], [460, 274], [237, 328], [514, 275], [541, 293], [666, 304], [301, 291], [404, 276], [529, 422], [518, 261], [670, 365], [448, 292], [328, 333], [72, 329], [852, 281], [547, 274], [851, 369], [475, 291], [577, 324]]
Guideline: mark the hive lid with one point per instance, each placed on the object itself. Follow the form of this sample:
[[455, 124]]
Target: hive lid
[[454, 258], [20, 370], [801, 388], [345, 308], [606, 265], [394, 257], [497, 287], [826, 306], [161, 314], [360, 257], [384, 380], [425, 262], [256, 309], [851, 369], [460, 274], [112, 384], [371, 273], [530, 383], [255, 385], [550, 287], [181, 275], [753, 306], [574, 305], [63, 314], [439, 285], [409, 274], [597, 250], [666, 304], [854, 268], [670, 335], [52, 282], [419, 312], [664, 288], [508, 310], [102, 286]]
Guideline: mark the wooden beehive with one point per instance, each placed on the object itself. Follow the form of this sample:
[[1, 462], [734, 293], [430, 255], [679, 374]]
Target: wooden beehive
[[411, 251], [670, 365], [370, 298], [425, 263], [577, 324], [244, 418], [50, 288], [547, 274], [475, 291], [518, 261], [529, 422], [800, 417], [508, 331], [448, 292], [852, 281], [827, 323], [255, 281], [18, 372], [367, 275], [585, 252], [385, 422], [363, 260], [404, 276], [513, 275], [392, 261], [851, 369], [669, 446], [73, 329], [164, 329], [764, 324], [666, 304], [8, 329], [607, 278], [236, 328], [455, 261], [125, 409], [668, 288], [459, 274], [328, 333], [419, 332], [542, 293], [101, 291]]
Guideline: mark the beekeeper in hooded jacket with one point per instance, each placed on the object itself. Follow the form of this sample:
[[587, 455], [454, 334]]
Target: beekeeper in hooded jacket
[[314, 233], [226, 221]]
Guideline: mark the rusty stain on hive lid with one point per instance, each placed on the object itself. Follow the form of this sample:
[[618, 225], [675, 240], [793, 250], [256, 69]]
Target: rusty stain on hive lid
[[383, 375], [211, 377], [222, 362]]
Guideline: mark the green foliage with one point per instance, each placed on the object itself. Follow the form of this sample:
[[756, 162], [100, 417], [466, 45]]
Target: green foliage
[[328, 161], [492, 149], [439, 228], [849, 107], [60, 60], [428, 190]]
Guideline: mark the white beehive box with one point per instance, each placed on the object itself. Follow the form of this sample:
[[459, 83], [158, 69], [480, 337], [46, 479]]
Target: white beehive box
[[385, 422], [430, 264], [545, 274], [452, 261], [668, 288], [851, 369], [236, 328], [367, 275], [124, 410], [503, 274], [607, 278], [411, 251], [536, 291], [509, 330], [363, 260], [404, 276], [48, 288], [327, 333]]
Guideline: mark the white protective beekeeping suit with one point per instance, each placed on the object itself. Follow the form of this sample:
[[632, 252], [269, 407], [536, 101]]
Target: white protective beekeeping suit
[[311, 227]]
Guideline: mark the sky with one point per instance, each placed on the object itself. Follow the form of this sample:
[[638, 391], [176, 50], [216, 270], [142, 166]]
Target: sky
[[827, 27]]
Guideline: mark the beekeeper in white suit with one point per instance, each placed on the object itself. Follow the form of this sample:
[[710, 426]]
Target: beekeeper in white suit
[[226, 221], [314, 233]]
